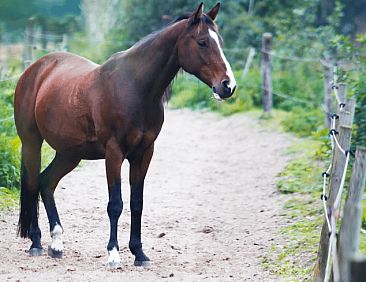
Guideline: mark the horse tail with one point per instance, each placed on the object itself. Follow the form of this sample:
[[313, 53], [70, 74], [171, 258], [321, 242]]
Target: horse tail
[[25, 203], [24, 114]]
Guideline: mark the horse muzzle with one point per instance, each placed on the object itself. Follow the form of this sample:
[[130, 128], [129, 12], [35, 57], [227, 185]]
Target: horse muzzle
[[224, 90]]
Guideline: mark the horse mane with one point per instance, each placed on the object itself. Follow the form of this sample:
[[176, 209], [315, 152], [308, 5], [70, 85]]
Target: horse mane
[[169, 90]]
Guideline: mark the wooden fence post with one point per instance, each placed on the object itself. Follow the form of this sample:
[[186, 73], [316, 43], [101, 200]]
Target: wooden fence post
[[29, 39], [342, 94], [266, 74], [328, 96], [248, 62], [358, 269], [339, 159], [351, 221]]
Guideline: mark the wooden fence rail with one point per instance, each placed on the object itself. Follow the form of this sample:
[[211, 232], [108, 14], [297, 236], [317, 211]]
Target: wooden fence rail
[[266, 74]]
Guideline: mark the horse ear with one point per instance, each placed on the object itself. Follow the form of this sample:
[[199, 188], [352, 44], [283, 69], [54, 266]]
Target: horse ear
[[214, 11], [196, 16]]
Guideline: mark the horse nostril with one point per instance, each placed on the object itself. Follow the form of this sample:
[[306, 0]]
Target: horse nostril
[[225, 84], [233, 90]]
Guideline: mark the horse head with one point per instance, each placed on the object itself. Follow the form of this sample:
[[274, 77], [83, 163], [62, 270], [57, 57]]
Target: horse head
[[200, 53]]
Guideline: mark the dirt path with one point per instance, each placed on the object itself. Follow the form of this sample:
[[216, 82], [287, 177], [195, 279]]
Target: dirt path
[[210, 189]]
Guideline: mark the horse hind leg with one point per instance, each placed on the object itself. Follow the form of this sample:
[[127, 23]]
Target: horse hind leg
[[58, 168], [29, 192]]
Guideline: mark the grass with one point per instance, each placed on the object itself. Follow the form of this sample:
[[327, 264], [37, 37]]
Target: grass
[[9, 198]]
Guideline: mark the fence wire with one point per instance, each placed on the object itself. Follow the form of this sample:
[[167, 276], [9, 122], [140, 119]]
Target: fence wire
[[290, 58]]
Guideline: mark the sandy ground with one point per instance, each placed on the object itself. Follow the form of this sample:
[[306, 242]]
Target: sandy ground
[[211, 189]]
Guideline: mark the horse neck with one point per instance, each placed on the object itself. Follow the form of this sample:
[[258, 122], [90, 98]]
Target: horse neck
[[151, 63]]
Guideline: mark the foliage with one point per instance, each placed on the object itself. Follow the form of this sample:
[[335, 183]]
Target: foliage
[[9, 198], [355, 53], [9, 144], [9, 161], [144, 17], [359, 89], [190, 92], [59, 16], [304, 122]]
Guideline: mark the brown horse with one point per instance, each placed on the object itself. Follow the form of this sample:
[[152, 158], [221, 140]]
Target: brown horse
[[112, 111]]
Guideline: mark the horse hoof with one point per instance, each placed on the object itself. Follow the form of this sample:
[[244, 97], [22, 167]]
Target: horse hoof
[[36, 252], [144, 263], [54, 253], [114, 265]]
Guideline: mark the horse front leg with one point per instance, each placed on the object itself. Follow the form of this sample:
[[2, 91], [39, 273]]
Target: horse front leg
[[114, 159], [138, 169]]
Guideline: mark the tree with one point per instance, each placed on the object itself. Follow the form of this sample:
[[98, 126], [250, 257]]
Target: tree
[[100, 18], [143, 17]]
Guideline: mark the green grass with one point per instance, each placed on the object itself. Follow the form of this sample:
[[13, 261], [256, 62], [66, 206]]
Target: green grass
[[9, 198]]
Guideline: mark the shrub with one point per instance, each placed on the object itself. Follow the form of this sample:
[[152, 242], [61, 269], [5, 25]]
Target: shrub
[[303, 122], [9, 162]]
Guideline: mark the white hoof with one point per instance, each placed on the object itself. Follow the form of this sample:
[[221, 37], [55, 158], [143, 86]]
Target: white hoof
[[114, 260], [57, 245]]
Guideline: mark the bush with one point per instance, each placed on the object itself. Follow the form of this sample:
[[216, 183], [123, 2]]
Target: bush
[[189, 92], [303, 122], [9, 144], [9, 162], [300, 81]]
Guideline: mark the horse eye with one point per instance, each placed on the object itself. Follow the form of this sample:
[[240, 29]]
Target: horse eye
[[202, 43]]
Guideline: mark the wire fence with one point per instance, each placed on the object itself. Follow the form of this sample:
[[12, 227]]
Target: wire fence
[[331, 221]]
